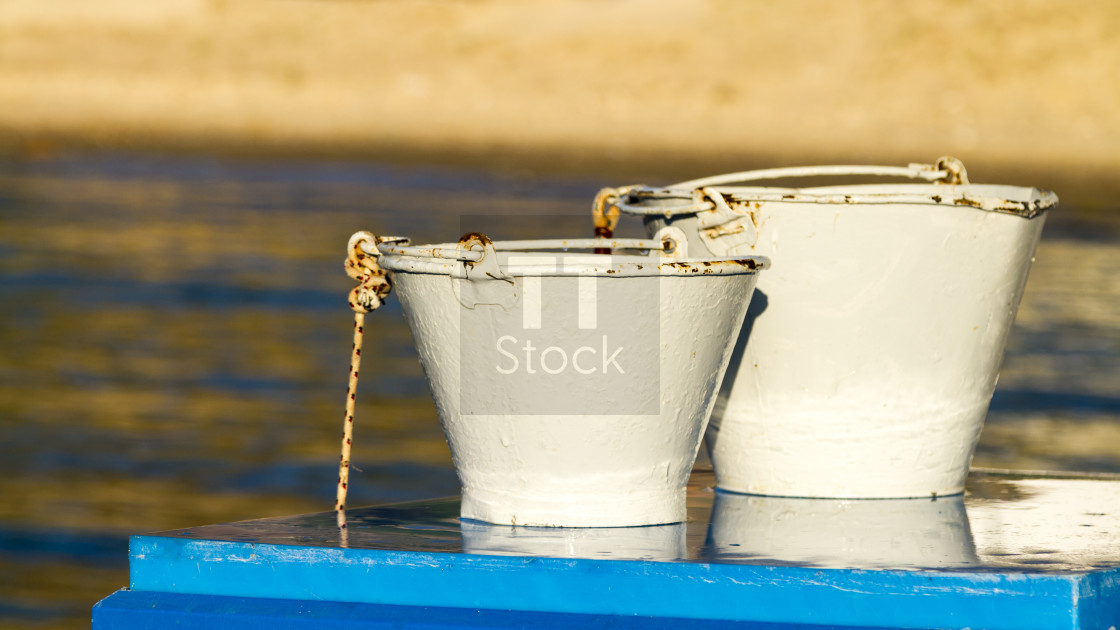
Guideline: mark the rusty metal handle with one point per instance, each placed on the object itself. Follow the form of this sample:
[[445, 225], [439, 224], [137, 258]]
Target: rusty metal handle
[[450, 251], [947, 169], [700, 195]]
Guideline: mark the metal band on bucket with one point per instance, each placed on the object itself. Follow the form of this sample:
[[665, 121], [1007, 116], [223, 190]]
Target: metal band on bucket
[[948, 185]]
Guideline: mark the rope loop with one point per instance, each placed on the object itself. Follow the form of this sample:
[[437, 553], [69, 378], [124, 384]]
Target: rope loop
[[605, 212], [373, 284]]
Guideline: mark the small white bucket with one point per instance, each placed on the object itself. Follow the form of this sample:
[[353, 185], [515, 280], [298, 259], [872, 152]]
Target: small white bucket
[[872, 348], [832, 533], [573, 387]]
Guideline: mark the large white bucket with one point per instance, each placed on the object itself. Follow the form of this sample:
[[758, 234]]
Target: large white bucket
[[573, 387], [872, 348]]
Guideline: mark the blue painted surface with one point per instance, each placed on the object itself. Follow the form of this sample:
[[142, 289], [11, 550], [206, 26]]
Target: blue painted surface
[[1031, 553], [610, 587], [1099, 601], [132, 610]]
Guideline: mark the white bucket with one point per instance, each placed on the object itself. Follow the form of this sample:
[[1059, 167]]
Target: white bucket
[[832, 533], [872, 348], [573, 387]]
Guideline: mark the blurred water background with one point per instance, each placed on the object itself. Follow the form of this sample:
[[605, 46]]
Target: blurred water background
[[175, 343], [174, 327]]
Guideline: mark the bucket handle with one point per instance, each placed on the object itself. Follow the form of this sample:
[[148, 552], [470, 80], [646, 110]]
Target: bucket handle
[[453, 252], [696, 194], [947, 170]]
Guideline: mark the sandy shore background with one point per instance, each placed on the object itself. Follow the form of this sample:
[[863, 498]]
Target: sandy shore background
[[1030, 88]]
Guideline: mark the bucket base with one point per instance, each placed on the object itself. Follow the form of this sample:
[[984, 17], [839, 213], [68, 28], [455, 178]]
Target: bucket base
[[606, 509], [859, 495], [839, 453]]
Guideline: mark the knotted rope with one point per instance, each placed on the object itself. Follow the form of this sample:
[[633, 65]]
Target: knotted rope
[[373, 287], [605, 213]]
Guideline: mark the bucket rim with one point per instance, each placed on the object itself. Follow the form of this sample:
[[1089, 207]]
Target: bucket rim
[[1025, 202], [539, 258]]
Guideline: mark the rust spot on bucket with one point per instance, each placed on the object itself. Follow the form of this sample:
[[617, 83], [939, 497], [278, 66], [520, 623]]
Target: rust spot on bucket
[[469, 240], [603, 232], [714, 266], [936, 198], [965, 201], [1024, 208]]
